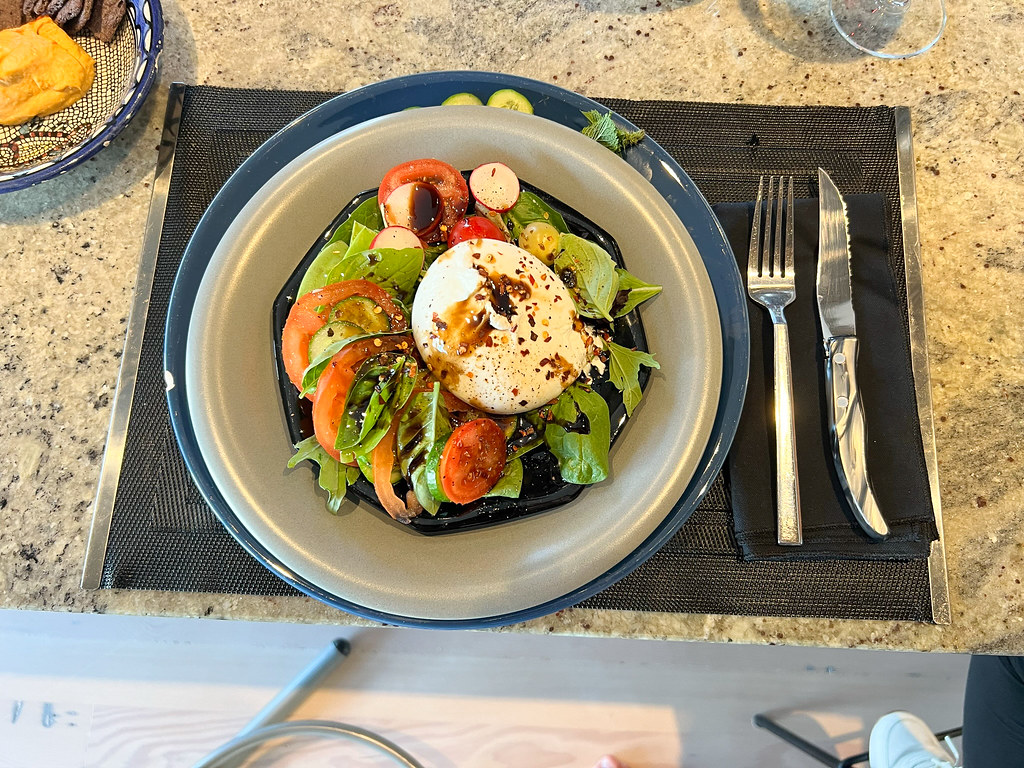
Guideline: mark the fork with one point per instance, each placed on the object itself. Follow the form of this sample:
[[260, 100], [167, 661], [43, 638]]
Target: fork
[[771, 282]]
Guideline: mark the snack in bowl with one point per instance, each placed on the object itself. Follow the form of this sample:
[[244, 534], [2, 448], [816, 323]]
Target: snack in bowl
[[42, 71], [506, 351]]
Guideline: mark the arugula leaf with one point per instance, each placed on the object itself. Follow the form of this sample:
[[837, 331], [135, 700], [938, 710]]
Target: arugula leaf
[[579, 435], [597, 281], [637, 292], [318, 273], [602, 129], [530, 208], [367, 213], [624, 370], [511, 483], [381, 388], [424, 424], [394, 270], [333, 476]]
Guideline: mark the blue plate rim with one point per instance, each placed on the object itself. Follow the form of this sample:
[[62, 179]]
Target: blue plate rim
[[154, 28], [392, 95]]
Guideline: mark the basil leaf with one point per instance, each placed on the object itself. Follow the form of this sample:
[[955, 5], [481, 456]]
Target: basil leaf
[[624, 370], [579, 435], [333, 476], [597, 281], [396, 270], [318, 274], [530, 208], [637, 292], [511, 482], [367, 214], [527, 435], [380, 389], [316, 366], [424, 424]]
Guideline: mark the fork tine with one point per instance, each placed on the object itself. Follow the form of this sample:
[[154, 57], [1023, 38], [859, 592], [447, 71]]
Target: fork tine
[[789, 231], [766, 244], [777, 246], [753, 261]]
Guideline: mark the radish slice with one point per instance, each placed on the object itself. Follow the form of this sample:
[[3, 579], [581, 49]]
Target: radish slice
[[495, 186], [416, 205], [396, 237]]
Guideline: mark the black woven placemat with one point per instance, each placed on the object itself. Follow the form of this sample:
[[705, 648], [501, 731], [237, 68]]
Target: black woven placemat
[[164, 537]]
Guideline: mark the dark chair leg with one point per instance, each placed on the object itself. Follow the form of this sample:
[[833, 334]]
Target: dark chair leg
[[823, 757]]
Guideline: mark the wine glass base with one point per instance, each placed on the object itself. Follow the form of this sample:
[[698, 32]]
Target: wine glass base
[[889, 29]]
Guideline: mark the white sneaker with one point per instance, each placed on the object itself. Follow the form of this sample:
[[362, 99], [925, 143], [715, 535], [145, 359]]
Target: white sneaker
[[903, 740]]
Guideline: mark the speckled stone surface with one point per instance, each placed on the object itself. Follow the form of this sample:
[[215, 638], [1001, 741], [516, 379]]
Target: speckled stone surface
[[70, 248]]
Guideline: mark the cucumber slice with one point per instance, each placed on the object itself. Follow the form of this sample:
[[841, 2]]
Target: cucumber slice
[[506, 98], [458, 99], [333, 331], [431, 471], [363, 312]]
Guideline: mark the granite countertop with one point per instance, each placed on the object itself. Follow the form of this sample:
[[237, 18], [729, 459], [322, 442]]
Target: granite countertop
[[70, 249]]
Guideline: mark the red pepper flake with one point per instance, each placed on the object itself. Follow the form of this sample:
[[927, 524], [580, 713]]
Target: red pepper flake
[[532, 280], [515, 390], [533, 335], [524, 352]]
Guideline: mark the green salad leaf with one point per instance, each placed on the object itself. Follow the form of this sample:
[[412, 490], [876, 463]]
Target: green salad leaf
[[396, 270], [367, 213], [333, 476], [579, 435], [595, 282], [636, 293], [382, 386], [528, 209], [624, 370], [425, 424], [511, 482], [318, 273], [602, 129], [316, 366]]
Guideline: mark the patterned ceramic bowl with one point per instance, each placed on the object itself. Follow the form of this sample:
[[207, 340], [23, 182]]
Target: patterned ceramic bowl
[[125, 69]]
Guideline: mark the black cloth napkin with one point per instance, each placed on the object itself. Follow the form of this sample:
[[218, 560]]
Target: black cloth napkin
[[896, 464]]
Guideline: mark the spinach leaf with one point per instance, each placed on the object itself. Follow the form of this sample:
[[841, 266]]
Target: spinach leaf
[[333, 476], [527, 435], [511, 482], [579, 435], [596, 280], [637, 292], [380, 389], [367, 214], [318, 274], [530, 208], [394, 270], [424, 424], [624, 370]]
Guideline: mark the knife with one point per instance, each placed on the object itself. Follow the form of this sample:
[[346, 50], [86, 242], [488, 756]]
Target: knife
[[847, 427]]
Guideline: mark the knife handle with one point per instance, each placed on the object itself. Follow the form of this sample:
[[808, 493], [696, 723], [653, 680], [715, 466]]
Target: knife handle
[[849, 433]]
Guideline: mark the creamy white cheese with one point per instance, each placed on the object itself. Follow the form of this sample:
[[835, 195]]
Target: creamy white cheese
[[497, 327]]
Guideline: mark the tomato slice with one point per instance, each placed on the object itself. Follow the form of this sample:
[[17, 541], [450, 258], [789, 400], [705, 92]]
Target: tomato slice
[[333, 385], [474, 228], [321, 300], [473, 460], [298, 330], [445, 178], [309, 314]]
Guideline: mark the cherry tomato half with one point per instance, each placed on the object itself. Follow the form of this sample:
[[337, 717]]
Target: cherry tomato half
[[474, 228], [445, 178], [472, 461]]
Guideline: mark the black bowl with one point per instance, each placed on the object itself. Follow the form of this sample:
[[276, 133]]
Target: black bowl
[[543, 487]]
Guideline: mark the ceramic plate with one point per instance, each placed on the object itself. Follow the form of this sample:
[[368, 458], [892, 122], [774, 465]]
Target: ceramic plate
[[235, 441], [125, 69]]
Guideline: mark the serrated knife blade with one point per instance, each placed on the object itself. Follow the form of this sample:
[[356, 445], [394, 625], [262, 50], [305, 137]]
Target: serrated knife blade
[[847, 426]]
